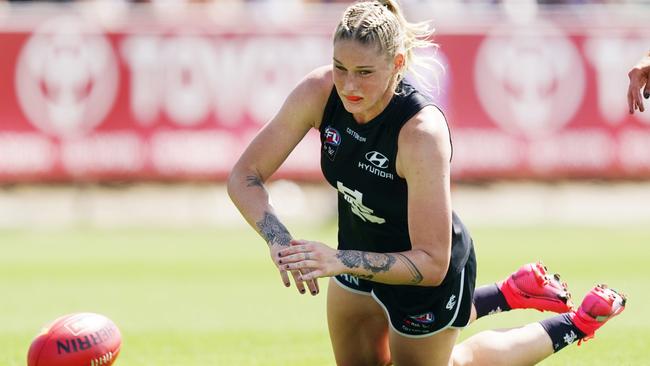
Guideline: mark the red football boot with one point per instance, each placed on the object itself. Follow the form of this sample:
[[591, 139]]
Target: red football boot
[[531, 287], [599, 305]]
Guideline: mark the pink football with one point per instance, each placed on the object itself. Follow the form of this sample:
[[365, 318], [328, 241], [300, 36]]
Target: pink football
[[81, 339]]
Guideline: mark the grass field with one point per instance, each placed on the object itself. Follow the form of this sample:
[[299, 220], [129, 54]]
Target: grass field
[[205, 296]]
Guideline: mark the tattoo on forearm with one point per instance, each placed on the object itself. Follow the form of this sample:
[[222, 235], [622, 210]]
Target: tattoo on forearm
[[377, 262], [416, 276], [365, 277], [373, 262], [254, 181], [353, 259], [273, 230], [349, 258]]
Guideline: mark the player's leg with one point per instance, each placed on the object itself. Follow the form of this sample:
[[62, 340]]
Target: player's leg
[[530, 287], [434, 350], [427, 337], [357, 325], [532, 343], [526, 345]]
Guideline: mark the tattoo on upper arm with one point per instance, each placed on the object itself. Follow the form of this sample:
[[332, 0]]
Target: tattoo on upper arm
[[416, 276], [254, 181], [273, 230]]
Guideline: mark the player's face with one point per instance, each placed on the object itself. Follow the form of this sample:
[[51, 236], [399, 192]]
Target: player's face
[[363, 78]]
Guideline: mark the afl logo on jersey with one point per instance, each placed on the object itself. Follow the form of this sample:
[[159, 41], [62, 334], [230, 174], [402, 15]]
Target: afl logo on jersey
[[331, 142], [332, 136], [377, 159]]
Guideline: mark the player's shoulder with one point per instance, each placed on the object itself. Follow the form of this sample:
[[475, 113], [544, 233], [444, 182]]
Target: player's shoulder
[[312, 93], [425, 134], [318, 83], [428, 123], [321, 75]]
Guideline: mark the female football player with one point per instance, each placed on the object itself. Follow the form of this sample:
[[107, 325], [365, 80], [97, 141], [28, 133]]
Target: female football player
[[402, 277]]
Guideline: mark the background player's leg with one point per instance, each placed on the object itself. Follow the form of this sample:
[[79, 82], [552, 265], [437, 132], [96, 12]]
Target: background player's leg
[[358, 328]]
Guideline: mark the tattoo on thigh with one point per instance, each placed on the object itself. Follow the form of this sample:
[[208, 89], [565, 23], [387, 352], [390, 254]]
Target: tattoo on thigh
[[273, 230], [416, 276], [254, 181]]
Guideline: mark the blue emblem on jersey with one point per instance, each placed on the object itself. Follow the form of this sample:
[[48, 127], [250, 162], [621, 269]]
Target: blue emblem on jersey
[[331, 142]]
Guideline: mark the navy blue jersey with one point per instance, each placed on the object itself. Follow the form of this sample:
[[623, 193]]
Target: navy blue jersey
[[359, 161]]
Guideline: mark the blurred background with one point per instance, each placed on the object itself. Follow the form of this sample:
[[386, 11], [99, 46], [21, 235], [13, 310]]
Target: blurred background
[[120, 121], [106, 105]]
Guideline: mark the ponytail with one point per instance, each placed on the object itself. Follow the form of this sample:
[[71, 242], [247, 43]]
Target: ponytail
[[416, 36]]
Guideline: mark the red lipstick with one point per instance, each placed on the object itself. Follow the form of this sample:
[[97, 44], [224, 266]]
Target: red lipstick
[[353, 98]]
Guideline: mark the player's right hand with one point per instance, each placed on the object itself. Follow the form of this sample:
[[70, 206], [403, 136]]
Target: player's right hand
[[312, 285]]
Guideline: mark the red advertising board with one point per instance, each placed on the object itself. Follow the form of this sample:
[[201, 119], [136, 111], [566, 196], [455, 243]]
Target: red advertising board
[[78, 102], [545, 102]]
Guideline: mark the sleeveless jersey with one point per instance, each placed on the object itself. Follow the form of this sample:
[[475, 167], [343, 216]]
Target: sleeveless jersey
[[359, 161]]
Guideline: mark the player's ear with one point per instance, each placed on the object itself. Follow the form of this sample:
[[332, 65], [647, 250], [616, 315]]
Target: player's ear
[[398, 62]]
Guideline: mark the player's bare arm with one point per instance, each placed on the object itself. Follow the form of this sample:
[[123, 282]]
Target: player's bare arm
[[273, 231], [324, 261], [301, 111], [377, 263], [423, 160]]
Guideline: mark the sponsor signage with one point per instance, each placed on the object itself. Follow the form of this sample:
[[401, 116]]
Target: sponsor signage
[[78, 102]]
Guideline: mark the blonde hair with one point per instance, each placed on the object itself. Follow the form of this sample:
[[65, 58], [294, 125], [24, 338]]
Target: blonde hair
[[381, 23]]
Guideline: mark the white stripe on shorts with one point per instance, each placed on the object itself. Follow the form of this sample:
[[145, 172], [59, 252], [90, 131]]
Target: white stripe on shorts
[[345, 287]]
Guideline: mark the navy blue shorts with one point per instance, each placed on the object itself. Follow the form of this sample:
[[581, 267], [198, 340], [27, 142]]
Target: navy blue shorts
[[418, 311]]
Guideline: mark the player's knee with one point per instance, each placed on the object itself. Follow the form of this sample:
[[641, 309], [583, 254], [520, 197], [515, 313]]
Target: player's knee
[[462, 356], [465, 354]]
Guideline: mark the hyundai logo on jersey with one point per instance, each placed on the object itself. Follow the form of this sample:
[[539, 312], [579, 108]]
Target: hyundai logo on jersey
[[377, 159], [331, 142]]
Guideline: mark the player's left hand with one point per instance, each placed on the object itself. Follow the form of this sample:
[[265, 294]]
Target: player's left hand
[[319, 259]]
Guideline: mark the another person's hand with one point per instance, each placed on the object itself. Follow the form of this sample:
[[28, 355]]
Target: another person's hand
[[300, 284], [639, 79], [314, 259]]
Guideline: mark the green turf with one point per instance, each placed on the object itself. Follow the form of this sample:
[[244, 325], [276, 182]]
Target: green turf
[[211, 297]]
